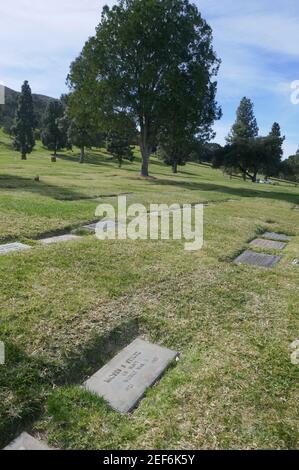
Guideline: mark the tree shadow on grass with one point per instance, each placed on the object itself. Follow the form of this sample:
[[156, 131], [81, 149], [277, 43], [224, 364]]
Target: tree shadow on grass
[[240, 192], [23, 383], [26, 381], [39, 187]]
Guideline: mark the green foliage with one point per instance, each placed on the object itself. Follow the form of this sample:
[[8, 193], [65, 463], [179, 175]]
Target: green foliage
[[246, 152], [82, 127], [25, 123], [142, 50], [272, 166], [53, 135], [247, 156], [245, 126], [119, 146], [290, 168], [203, 152]]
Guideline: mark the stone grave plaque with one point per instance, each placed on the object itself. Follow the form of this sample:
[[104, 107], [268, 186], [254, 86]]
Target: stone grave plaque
[[279, 237], [263, 243], [10, 247], [124, 380], [26, 442], [59, 239], [257, 259]]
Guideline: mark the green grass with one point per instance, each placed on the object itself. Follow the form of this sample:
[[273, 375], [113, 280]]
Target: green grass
[[66, 309]]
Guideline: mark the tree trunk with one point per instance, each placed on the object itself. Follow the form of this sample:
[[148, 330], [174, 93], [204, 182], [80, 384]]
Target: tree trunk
[[82, 155], [175, 168], [254, 177], [24, 156], [145, 148]]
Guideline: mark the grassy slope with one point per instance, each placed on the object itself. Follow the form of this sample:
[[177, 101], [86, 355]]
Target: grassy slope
[[65, 309]]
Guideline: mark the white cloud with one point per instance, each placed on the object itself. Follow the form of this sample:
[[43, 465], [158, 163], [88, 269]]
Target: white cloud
[[38, 40]]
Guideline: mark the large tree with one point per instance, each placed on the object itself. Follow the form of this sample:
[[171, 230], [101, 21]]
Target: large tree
[[25, 123], [141, 50], [246, 156], [53, 135]]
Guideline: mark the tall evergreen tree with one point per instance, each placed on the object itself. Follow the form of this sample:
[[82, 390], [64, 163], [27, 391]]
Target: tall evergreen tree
[[276, 140], [25, 123], [245, 126], [53, 135]]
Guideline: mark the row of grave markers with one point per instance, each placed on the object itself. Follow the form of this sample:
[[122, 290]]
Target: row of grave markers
[[11, 247], [271, 240]]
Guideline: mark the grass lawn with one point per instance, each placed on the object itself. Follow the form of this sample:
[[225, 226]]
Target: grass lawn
[[67, 308]]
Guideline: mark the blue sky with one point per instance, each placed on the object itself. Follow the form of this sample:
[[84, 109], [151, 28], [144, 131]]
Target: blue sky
[[257, 41]]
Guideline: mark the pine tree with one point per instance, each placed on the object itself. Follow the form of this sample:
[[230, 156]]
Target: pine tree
[[245, 126], [273, 163], [25, 123], [278, 141], [53, 135]]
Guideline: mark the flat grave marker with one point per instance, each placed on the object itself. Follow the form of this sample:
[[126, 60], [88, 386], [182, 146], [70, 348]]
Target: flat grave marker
[[257, 259], [263, 243], [59, 239], [123, 381], [279, 237], [10, 247], [26, 442]]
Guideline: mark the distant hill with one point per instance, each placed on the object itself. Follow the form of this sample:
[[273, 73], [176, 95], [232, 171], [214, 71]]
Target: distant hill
[[8, 110]]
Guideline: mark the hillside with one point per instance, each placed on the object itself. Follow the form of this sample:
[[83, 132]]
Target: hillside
[[67, 308], [7, 111]]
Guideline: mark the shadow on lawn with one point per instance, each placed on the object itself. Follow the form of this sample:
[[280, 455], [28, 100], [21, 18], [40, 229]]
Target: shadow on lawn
[[39, 187], [29, 380], [94, 158], [241, 192]]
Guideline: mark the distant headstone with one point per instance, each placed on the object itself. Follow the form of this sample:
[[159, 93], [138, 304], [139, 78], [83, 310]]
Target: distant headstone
[[124, 380], [26, 442], [59, 239], [10, 247], [263, 243], [257, 259], [280, 237]]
